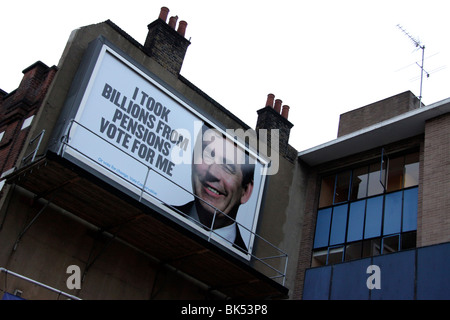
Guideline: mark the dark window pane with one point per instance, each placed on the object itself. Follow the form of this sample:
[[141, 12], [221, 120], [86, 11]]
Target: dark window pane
[[335, 255], [371, 247], [322, 228], [342, 186], [410, 202], [395, 174], [356, 221], [359, 183], [327, 191], [373, 217], [392, 213], [374, 186], [412, 170], [408, 240], [338, 224], [353, 251], [391, 244]]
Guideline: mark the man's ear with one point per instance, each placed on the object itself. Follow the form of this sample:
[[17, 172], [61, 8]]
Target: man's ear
[[247, 192]]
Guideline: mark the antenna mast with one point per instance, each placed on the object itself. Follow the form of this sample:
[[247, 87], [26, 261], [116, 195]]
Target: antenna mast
[[421, 46]]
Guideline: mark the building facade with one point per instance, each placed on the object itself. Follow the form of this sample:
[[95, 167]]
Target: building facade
[[98, 210], [378, 200], [93, 207]]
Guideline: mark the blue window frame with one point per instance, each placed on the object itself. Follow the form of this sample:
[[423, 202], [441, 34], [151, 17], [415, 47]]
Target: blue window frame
[[322, 228], [410, 202], [392, 213], [374, 217], [338, 224], [356, 221], [355, 207]]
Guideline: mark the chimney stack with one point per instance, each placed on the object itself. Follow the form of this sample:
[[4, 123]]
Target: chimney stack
[[165, 44], [272, 117]]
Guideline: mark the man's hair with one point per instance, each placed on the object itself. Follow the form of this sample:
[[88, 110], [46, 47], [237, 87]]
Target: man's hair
[[248, 172]]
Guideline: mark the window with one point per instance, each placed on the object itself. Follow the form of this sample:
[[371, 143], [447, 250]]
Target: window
[[374, 186], [356, 220], [27, 122], [338, 224], [392, 213], [342, 187], [322, 228], [374, 217], [411, 170], [367, 211], [335, 189], [410, 201], [360, 179], [390, 244], [395, 176], [327, 191], [1, 135]]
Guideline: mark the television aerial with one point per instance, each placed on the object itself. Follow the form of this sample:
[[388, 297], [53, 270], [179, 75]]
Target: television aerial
[[419, 45]]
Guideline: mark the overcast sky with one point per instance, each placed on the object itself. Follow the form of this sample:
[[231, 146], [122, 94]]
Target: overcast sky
[[322, 58]]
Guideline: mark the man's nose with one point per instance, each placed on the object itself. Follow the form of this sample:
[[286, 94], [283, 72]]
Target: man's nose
[[215, 170]]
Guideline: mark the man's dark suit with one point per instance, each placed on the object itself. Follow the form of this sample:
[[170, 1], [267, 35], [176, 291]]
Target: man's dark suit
[[238, 242]]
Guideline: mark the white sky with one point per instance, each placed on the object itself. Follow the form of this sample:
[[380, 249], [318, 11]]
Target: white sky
[[322, 58]]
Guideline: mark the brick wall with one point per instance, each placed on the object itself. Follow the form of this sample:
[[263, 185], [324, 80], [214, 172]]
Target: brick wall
[[166, 46], [308, 229], [376, 112], [19, 105], [434, 223]]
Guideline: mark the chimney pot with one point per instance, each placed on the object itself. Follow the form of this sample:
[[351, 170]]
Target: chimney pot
[[269, 102], [164, 13], [277, 107], [285, 112], [182, 27], [173, 21]]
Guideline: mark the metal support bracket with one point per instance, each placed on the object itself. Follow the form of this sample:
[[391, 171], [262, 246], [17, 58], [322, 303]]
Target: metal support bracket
[[25, 229]]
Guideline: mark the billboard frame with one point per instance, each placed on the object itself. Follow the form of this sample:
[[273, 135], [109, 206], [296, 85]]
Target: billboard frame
[[79, 89]]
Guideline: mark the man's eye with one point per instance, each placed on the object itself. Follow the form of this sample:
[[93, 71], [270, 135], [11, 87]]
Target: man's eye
[[229, 168]]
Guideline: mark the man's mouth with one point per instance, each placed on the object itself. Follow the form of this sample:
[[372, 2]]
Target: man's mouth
[[213, 191]]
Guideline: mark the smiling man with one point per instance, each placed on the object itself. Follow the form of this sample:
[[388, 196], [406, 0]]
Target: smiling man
[[222, 180]]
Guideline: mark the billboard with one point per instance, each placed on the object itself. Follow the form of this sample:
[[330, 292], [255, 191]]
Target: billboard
[[134, 131]]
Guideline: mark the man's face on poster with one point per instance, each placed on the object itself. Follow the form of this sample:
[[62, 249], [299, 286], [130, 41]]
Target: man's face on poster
[[217, 176]]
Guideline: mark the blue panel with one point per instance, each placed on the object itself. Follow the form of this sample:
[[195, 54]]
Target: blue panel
[[356, 221], [317, 284], [410, 202], [397, 276], [338, 224], [373, 217], [433, 272], [349, 280], [322, 228], [392, 213], [9, 296]]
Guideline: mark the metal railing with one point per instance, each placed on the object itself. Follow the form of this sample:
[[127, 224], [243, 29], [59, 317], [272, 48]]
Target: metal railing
[[59, 292], [278, 254]]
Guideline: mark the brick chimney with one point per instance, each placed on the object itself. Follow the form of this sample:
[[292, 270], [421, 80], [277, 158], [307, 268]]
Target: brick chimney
[[270, 118], [165, 44]]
